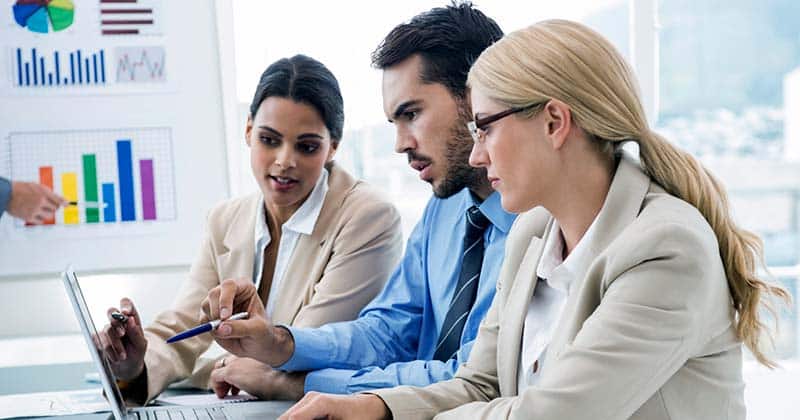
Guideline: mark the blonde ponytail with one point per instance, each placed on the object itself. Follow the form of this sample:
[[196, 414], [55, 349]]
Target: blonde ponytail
[[570, 62], [742, 252]]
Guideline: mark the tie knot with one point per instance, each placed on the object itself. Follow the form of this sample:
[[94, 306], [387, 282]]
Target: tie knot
[[476, 221]]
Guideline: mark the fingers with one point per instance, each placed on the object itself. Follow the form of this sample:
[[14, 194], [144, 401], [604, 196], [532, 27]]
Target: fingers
[[218, 383], [107, 346], [227, 292], [312, 406], [128, 307], [133, 326], [211, 304], [253, 327], [116, 326]]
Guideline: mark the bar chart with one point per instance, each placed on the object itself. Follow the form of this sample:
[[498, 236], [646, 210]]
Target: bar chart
[[36, 68], [110, 176]]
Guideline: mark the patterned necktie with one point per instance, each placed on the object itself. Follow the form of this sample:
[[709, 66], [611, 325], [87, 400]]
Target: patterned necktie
[[467, 287]]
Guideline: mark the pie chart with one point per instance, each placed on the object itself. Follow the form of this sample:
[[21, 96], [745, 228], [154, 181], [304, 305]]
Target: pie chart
[[41, 16]]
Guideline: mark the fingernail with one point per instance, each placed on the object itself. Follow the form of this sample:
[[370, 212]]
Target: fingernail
[[123, 356], [121, 330], [224, 330], [224, 313]]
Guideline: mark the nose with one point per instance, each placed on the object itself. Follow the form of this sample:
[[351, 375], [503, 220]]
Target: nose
[[404, 141], [285, 157], [479, 157]]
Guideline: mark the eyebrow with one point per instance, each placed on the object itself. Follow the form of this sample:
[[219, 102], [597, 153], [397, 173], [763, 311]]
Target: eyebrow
[[403, 107], [304, 136]]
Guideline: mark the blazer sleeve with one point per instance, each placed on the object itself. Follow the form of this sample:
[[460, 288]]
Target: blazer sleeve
[[167, 363], [366, 250]]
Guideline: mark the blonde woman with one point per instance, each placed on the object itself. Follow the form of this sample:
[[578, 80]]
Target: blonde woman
[[627, 290]]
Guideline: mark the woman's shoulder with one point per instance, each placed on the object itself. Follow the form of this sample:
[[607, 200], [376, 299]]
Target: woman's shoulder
[[234, 208], [350, 195]]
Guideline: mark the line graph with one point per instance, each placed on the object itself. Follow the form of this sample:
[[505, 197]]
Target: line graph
[[140, 64]]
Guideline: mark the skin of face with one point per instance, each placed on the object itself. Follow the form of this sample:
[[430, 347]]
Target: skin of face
[[289, 147], [518, 154], [431, 130]]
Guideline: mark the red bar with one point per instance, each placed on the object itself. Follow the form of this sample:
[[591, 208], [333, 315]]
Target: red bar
[[128, 22], [120, 32], [46, 179], [126, 11]]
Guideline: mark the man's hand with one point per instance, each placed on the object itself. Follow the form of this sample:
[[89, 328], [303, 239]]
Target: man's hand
[[33, 203], [254, 337], [232, 374], [325, 406]]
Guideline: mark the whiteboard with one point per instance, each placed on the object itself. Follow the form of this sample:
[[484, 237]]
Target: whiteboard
[[122, 108]]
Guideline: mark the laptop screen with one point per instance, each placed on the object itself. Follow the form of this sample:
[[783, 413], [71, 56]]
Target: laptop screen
[[90, 335]]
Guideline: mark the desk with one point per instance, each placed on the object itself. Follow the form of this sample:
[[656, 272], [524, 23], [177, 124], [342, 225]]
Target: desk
[[66, 377]]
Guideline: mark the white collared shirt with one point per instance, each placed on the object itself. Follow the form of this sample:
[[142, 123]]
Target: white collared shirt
[[549, 297], [301, 223]]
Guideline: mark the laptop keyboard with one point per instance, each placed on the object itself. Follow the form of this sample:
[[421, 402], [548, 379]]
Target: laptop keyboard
[[175, 413]]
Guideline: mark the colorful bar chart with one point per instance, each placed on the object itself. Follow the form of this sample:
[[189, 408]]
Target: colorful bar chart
[[59, 68], [113, 176]]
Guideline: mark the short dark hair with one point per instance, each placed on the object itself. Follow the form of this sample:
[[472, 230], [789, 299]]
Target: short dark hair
[[449, 39], [305, 80]]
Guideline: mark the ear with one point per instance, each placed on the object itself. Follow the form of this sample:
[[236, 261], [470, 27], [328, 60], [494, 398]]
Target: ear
[[558, 120], [248, 129], [332, 151]]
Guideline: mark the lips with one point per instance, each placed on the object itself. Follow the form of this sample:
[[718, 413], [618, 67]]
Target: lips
[[493, 180], [419, 165], [282, 183]]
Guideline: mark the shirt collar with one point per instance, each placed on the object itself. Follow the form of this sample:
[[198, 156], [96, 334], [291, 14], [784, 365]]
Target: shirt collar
[[304, 219], [552, 264], [493, 210]]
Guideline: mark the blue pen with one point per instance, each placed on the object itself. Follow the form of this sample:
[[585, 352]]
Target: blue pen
[[208, 326]]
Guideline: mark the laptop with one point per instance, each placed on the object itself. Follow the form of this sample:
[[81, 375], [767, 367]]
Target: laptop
[[237, 411]]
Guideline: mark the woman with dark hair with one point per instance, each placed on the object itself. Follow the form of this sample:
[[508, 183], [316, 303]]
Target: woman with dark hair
[[317, 243]]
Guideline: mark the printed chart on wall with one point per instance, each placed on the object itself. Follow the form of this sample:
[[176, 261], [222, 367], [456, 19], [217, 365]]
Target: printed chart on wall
[[112, 178], [86, 47]]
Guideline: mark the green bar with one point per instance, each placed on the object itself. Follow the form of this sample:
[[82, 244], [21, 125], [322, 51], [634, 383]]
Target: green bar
[[90, 188]]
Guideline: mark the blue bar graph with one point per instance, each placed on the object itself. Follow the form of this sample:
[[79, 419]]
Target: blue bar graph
[[34, 60], [110, 211], [58, 69], [127, 202], [19, 66], [78, 64], [85, 68]]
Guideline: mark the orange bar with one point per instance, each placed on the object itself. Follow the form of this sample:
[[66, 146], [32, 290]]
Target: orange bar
[[46, 179]]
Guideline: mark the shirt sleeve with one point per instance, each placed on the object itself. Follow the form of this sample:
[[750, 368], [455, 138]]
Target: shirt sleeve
[[5, 194], [386, 331], [413, 373]]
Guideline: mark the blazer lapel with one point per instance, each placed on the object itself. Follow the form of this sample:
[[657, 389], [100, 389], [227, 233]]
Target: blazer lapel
[[236, 259], [305, 267], [509, 339], [623, 204]]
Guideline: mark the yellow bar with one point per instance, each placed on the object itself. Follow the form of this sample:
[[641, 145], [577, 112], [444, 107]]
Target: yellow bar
[[69, 185]]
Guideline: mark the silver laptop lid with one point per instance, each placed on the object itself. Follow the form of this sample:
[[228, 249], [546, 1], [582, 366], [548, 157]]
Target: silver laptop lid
[[107, 378]]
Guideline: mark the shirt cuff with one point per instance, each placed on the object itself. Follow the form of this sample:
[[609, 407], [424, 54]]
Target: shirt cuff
[[309, 346], [5, 194], [329, 381]]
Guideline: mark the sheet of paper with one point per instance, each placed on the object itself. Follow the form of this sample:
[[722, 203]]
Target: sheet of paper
[[53, 403], [205, 399]]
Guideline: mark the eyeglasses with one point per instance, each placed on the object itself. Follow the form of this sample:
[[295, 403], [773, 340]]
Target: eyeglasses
[[477, 127]]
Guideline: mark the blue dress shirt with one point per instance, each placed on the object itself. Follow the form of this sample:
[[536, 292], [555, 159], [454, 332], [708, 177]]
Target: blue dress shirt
[[394, 338]]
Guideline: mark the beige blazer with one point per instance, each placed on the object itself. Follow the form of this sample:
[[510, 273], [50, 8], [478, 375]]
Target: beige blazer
[[332, 274], [646, 333]]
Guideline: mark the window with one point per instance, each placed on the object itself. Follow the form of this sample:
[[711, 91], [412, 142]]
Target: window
[[336, 35], [729, 93]]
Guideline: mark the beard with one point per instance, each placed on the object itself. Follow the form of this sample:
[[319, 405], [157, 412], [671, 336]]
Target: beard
[[458, 174]]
